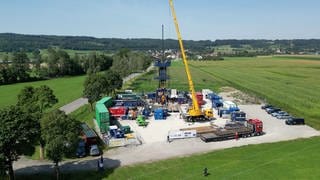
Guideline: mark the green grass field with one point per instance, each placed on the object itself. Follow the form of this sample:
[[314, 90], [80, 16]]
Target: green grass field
[[290, 82], [84, 114], [298, 159], [66, 89]]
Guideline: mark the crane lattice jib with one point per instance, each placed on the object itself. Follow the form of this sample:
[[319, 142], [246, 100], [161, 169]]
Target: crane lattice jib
[[195, 107]]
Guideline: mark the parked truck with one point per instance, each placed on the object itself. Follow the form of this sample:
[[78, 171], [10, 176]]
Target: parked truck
[[231, 106], [200, 100], [238, 116], [252, 127], [215, 100]]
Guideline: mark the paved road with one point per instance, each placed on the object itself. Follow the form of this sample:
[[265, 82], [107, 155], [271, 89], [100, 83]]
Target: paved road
[[68, 108]]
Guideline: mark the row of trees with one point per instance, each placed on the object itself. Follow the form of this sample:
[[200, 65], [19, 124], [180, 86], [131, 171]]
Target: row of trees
[[27, 124], [126, 62], [55, 63]]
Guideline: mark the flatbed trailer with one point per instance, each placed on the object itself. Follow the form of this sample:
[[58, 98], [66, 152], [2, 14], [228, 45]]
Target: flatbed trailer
[[252, 128]]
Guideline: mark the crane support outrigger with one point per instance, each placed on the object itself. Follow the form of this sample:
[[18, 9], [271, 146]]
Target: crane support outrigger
[[194, 113]]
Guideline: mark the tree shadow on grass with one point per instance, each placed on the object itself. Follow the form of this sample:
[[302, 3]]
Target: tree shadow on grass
[[77, 170]]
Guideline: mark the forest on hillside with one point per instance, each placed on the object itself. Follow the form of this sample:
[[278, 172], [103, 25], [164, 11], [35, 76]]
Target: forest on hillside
[[10, 42]]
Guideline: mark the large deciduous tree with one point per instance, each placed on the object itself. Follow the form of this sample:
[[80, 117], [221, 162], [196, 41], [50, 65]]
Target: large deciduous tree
[[36, 101], [44, 97], [97, 85], [20, 66], [94, 87], [60, 134], [114, 80], [36, 59], [19, 131]]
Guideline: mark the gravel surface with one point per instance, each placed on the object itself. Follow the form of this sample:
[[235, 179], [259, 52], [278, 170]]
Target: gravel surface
[[157, 148]]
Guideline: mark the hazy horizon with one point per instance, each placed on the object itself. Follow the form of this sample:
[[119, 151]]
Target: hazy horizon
[[128, 19]]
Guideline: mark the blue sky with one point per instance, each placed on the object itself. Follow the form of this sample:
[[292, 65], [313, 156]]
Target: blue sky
[[198, 19]]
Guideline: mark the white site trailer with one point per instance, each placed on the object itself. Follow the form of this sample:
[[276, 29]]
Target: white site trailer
[[173, 93], [205, 92], [179, 134]]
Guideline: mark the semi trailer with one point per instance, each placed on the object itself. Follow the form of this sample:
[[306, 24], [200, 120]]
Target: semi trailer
[[252, 127]]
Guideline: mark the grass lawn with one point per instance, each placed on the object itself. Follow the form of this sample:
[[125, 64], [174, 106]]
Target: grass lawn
[[298, 159], [84, 114], [290, 82], [66, 89]]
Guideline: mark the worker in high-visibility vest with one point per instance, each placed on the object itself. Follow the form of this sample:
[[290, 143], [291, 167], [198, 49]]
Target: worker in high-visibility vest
[[236, 136]]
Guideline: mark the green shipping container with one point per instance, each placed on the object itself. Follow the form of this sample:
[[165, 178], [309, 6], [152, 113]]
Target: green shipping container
[[102, 113], [104, 127], [129, 96], [107, 101]]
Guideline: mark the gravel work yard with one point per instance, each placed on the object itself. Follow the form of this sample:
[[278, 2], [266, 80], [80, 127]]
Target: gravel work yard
[[157, 130], [156, 147]]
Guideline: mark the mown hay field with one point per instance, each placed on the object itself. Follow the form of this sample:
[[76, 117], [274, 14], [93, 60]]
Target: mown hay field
[[290, 82]]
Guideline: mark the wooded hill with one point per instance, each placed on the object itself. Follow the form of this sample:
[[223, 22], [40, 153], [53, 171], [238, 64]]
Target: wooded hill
[[10, 42]]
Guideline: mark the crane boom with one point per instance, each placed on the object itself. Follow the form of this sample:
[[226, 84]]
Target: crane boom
[[194, 110]]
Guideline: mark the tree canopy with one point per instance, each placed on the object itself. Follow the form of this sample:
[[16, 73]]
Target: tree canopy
[[53, 63], [126, 62], [19, 132], [97, 85], [36, 99], [60, 133]]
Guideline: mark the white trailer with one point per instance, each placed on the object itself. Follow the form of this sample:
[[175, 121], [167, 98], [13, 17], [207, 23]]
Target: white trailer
[[173, 93], [205, 92], [179, 134]]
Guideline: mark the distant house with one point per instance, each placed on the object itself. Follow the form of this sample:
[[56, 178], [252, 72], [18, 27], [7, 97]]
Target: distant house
[[199, 57]]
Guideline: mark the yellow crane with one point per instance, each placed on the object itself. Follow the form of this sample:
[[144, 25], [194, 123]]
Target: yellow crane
[[194, 113]]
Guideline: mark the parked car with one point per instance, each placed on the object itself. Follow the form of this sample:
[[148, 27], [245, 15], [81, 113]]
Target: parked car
[[294, 121], [266, 106], [269, 108], [81, 149], [279, 113], [269, 111], [94, 150], [284, 116]]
